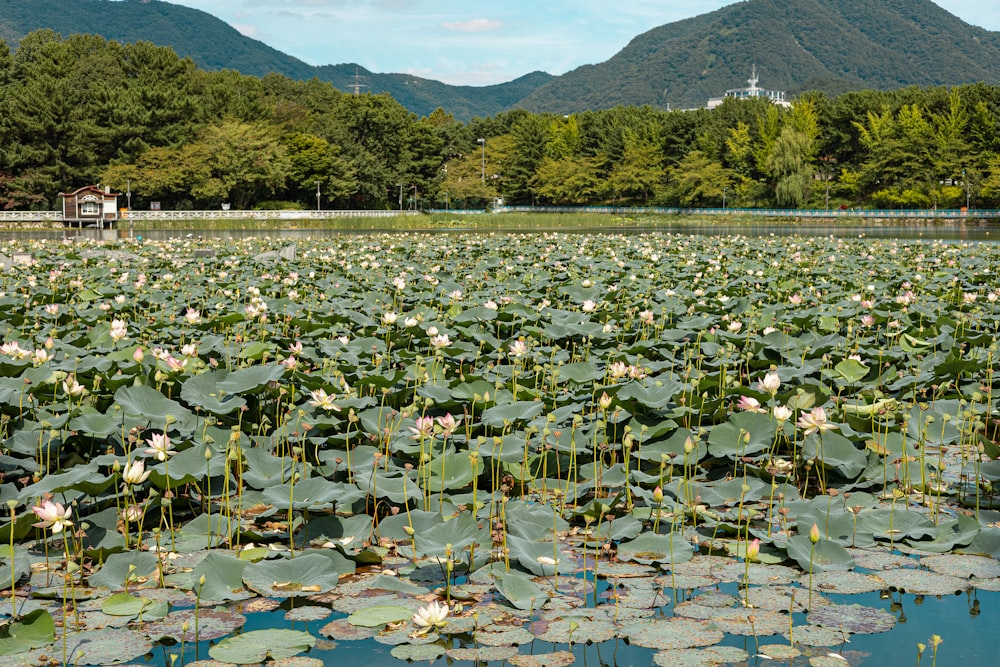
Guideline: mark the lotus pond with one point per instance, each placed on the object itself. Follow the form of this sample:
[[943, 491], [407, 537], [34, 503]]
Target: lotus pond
[[529, 449]]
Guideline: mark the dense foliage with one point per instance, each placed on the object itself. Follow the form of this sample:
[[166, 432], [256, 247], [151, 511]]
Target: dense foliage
[[83, 110], [650, 437], [832, 46]]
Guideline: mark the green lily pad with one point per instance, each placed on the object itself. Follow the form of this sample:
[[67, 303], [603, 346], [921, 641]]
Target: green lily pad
[[258, 645], [127, 570], [375, 616], [823, 556], [576, 631], [417, 652], [520, 590], [33, 630], [303, 575], [651, 548]]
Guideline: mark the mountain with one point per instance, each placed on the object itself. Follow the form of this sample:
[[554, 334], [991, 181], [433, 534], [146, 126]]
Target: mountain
[[213, 44], [797, 45], [422, 96]]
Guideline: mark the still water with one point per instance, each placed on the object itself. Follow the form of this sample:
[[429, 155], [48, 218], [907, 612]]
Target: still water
[[971, 232], [965, 622]]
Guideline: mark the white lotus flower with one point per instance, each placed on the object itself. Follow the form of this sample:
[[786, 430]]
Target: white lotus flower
[[431, 616]]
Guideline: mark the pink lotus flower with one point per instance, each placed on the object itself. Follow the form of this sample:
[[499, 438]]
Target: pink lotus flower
[[423, 428], [53, 515], [448, 424], [159, 447], [814, 421], [749, 404]]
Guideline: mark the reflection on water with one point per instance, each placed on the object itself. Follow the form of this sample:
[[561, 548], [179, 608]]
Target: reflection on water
[[971, 232]]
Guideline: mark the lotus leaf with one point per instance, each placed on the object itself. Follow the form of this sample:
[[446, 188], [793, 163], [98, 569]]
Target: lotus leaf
[[111, 646], [745, 433], [520, 590], [852, 618], [378, 615], [223, 575], [417, 652], [822, 556], [672, 633], [33, 630], [650, 548], [258, 645], [127, 570], [303, 575], [152, 407]]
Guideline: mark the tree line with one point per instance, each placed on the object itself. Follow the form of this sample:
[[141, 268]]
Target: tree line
[[82, 110]]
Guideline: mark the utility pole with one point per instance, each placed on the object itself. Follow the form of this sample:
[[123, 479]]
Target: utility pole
[[317, 196], [128, 209], [483, 142]]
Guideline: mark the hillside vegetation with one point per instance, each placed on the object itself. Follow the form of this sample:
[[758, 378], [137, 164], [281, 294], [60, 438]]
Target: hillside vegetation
[[828, 45]]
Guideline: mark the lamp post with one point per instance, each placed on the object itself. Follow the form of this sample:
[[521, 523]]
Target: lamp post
[[415, 198], [483, 142], [725, 189], [400, 196], [317, 196], [966, 190]]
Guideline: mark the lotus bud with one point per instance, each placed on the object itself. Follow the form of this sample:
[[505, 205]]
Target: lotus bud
[[409, 531], [814, 534], [688, 445], [753, 549], [208, 453], [658, 495], [138, 355]]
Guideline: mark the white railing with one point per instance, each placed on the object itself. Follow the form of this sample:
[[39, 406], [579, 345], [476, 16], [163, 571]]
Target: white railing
[[56, 216]]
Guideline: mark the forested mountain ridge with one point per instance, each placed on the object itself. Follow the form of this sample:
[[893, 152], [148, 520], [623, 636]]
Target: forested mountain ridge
[[214, 45], [827, 45]]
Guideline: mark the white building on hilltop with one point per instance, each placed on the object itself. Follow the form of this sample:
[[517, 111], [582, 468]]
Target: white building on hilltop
[[776, 96]]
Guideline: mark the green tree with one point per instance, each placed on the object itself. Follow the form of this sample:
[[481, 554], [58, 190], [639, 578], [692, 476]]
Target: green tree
[[697, 180], [788, 165], [570, 181]]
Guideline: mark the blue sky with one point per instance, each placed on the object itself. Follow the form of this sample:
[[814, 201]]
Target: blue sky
[[470, 42]]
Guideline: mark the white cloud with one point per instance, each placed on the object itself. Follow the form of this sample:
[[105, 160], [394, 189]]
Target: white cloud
[[475, 25]]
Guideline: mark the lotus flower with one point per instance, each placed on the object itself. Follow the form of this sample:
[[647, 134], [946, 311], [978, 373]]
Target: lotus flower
[[160, 447], [770, 383], [135, 472], [53, 515], [518, 348], [814, 421], [431, 616], [321, 399], [749, 404]]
